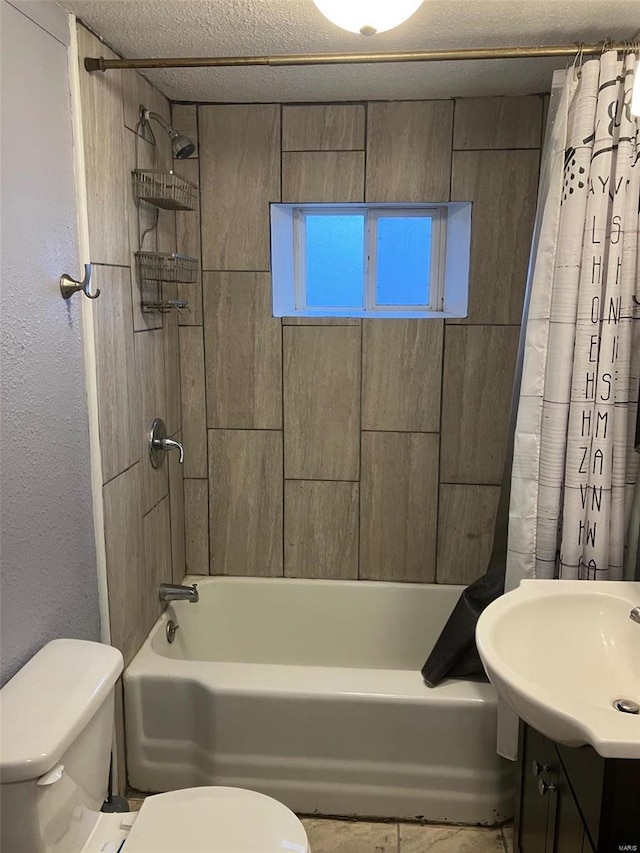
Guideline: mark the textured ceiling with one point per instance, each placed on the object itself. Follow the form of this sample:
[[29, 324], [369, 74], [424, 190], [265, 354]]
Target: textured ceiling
[[150, 28]]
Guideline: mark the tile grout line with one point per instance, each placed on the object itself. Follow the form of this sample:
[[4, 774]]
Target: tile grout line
[[446, 326], [360, 458], [405, 431], [282, 390], [322, 150], [204, 352], [465, 483], [440, 440], [157, 503], [124, 471], [227, 271], [315, 479], [504, 840], [360, 434], [454, 323], [171, 328], [496, 148]]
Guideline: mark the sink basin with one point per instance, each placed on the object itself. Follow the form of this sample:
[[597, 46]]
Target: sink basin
[[561, 653]]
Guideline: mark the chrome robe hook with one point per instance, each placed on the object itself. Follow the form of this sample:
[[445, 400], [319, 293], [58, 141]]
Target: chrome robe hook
[[69, 286]]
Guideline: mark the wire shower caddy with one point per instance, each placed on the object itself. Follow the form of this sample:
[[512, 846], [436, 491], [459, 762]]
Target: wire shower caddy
[[165, 189], [157, 266]]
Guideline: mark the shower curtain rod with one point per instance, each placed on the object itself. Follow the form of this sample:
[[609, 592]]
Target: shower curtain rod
[[102, 64]]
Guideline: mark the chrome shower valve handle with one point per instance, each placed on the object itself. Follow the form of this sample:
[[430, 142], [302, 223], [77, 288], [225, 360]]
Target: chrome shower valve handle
[[171, 444], [159, 444]]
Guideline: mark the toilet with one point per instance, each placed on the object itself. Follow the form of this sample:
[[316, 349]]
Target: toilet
[[56, 727]]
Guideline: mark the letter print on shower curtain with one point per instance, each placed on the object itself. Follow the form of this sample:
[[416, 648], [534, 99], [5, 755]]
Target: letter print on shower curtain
[[574, 468]]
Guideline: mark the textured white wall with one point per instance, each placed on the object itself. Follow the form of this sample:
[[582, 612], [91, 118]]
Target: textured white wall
[[48, 583]]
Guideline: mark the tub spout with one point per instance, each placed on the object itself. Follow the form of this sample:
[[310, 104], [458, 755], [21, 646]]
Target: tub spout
[[177, 592]]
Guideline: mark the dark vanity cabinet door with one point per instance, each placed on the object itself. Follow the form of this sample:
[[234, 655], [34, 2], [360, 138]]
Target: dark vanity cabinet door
[[619, 830], [571, 800], [536, 807], [569, 834], [586, 771]]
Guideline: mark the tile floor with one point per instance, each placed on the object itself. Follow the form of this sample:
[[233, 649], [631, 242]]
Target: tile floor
[[344, 836], [359, 836]]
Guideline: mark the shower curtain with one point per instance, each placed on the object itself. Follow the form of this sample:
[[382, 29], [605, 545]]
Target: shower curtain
[[575, 469]]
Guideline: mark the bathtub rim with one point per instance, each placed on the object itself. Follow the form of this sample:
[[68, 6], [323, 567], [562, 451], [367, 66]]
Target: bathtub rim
[[264, 679]]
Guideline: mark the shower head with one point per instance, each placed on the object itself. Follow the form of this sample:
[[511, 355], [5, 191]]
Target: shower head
[[182, 146]]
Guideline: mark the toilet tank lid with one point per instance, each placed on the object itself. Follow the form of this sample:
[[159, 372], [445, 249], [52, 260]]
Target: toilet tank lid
[[48, 703]]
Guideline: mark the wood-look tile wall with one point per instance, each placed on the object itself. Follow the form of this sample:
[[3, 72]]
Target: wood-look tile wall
[[342, 448], [137, 354]]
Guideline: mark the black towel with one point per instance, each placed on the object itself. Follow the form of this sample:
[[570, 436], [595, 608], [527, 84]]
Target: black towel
[[455, 654]]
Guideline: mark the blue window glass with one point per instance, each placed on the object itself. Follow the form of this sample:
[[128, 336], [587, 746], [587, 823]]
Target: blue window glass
[[403, 260], [335, 261]]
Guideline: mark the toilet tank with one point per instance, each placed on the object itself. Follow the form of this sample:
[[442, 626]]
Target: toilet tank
[[56, 730]]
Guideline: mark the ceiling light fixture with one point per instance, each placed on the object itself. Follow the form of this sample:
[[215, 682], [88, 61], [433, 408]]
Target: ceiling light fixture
[[367, 17]]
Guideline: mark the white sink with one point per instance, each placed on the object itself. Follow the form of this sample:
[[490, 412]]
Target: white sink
[[561, 653]]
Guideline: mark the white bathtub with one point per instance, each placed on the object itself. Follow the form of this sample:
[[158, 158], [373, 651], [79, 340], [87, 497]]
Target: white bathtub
[[310, 691]]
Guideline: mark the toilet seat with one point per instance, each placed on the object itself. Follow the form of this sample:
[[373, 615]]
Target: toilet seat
[[215, 820]]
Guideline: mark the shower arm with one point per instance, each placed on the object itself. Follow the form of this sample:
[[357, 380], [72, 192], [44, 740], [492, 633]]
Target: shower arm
[[146, 116], [182, 146]]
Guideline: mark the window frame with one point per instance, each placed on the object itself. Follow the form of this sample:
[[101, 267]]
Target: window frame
[[371, 215], [450, 259], [300, 214], [436, 265]]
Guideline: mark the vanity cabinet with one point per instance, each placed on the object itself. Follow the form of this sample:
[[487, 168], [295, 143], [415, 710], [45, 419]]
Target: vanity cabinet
[[571, 800]]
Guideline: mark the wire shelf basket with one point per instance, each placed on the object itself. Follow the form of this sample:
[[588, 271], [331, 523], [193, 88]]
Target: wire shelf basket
[[165, 189], [154, 266]]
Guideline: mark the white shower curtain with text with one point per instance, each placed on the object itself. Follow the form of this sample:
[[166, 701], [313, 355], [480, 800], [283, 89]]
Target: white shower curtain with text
[[574, 468]]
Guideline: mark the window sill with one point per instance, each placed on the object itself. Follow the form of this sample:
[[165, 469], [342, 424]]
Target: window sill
[[374, 315]]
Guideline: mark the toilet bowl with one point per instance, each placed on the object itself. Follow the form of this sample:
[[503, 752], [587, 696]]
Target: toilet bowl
[[211, 819], [56, 724]]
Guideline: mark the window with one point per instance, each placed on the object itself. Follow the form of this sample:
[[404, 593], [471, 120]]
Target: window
[[385, 260]]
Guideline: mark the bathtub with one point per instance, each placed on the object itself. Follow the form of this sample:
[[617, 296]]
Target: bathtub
[[310, 691]]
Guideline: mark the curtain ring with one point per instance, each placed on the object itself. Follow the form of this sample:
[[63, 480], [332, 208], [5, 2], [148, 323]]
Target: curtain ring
[[579, 57]]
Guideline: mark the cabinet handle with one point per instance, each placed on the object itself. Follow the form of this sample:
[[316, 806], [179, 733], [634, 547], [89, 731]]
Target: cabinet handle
[[537, 768], [544, 786]]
